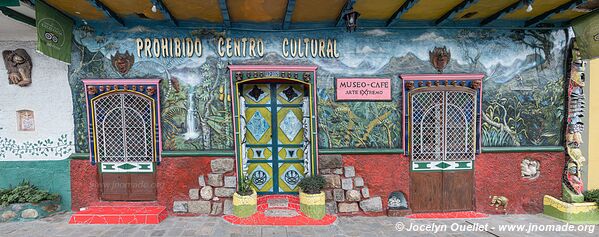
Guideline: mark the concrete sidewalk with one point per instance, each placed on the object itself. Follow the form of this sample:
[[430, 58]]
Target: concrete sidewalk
[[344, 226]]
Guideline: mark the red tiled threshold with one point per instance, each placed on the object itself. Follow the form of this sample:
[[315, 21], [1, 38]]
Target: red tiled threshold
[[120, 213], [448, 215], [295, 216]]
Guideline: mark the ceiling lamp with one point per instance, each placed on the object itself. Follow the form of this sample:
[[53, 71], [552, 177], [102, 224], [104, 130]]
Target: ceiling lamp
[[154, 8], [351, 20], [529, 5]]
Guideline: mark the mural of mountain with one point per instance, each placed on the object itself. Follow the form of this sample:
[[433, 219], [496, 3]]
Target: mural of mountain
[[500, 73]]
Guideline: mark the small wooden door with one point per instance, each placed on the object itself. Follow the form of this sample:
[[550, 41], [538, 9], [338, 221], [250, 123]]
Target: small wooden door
[[128, 187], [125, 133], [442, 145]]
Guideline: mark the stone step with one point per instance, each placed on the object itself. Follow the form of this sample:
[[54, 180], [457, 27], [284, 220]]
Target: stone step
[[280, 213], [278, 203]]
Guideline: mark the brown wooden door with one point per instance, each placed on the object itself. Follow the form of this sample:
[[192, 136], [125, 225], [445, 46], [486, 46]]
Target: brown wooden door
[[128, 186], [442, 191], [442, 145]]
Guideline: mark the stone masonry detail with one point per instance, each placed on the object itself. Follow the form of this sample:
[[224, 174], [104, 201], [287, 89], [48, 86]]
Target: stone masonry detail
[[346, 192], [212, 195]]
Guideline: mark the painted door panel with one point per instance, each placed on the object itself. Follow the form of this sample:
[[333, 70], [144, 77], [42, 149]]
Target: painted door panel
[[128, 187], [274, 136], [426, 191], [457, 190]]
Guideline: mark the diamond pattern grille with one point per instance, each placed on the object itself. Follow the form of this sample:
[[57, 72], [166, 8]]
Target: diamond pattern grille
[[123, 124], [443, 125]]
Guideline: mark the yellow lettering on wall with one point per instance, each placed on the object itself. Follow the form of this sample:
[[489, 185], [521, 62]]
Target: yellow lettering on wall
[[260, 45], [228, 46], [198, 47], [252, 52], [164, 47], [285, 45], [321, 45], [243, 41], [148, 46], [140, 44], [177, 47], [156, 48], [189, 47], [336, 53], [221, 43], [330, 53]]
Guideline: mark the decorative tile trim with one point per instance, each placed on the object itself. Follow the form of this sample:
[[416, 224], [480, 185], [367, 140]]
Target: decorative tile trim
[[441, 165], [44, 147], [127, 167]]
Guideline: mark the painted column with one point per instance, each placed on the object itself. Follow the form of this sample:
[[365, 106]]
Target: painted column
[[593, 124]]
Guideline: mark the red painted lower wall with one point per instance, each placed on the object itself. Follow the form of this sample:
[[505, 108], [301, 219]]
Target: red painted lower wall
[[500, 174], [174, 178], [495, 174]]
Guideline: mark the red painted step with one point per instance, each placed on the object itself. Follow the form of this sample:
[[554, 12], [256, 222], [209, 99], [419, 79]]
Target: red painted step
[[271, 213], [120, 213], [448, 215]]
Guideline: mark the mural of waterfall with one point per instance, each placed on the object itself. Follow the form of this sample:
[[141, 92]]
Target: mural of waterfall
[[190, 121]]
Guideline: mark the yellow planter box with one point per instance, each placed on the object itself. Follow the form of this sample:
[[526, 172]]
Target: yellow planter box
[[313, 205], [244, 206]]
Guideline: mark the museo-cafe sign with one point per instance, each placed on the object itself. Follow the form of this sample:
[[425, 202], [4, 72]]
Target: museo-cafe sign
[[235, 47]]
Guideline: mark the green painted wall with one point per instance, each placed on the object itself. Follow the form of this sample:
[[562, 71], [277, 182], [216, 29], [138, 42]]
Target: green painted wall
[[51, 175]]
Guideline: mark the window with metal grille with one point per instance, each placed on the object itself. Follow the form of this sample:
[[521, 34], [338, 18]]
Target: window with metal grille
[[123, 124], [442, 124]]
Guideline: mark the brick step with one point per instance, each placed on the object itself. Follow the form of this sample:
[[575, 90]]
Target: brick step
[[130, 214]]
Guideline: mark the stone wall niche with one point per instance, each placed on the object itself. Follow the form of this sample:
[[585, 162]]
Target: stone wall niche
[[25, 120]]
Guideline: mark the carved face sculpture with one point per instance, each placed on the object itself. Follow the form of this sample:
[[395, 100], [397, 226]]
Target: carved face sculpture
[[18, 65], [439, 58], [150, 90], [122, 62]]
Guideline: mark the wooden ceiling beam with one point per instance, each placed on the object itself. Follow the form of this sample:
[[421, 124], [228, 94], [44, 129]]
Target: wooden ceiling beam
[[107, 12], [17, 16], [224, 11], [288, 14], [349, 4], [167, 14], [451, 13], [566, 6], [515, 6], [403, 9]]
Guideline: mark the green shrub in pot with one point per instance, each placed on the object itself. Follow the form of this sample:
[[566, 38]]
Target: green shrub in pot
[[312, 199]]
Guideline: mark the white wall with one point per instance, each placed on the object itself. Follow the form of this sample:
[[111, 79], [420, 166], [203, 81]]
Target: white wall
[[49, 96]]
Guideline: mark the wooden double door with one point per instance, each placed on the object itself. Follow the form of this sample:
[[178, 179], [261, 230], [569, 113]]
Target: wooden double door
[[442, 130]]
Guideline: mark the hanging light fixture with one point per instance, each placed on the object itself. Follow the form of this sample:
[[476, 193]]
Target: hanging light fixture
[[528, 5], [154, 8], [351, 20]]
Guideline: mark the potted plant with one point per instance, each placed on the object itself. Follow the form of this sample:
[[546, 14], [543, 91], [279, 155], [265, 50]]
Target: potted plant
[[312, 199], [245, 199]]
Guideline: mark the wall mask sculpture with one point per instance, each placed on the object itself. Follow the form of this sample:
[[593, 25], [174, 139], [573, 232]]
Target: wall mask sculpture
[[18, 65], [439, 58], [531, 169], [122, 62]]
